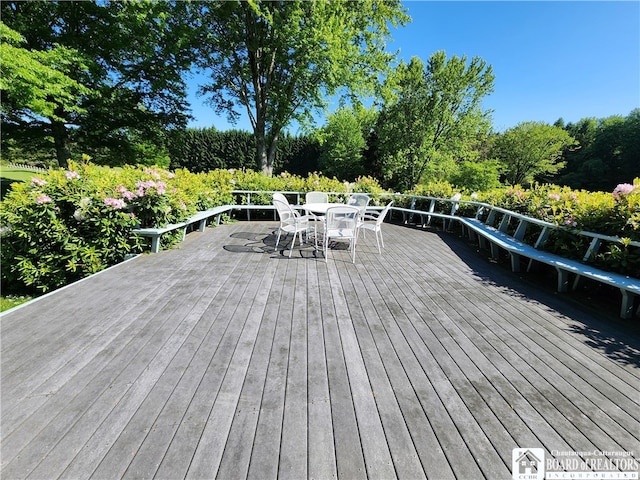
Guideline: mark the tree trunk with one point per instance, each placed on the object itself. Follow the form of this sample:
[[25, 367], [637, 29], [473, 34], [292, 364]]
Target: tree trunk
[[265, 151], [262, 155], [61, 142], [271, 155]]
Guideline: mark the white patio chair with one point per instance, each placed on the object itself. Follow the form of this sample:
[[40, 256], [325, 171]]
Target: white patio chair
[[341, 223], [316, 197], [360, 200], [376, 226], [292, 222]]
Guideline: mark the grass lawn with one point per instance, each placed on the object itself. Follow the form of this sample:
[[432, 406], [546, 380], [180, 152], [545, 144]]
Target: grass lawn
[[12, 301], [10, 175]]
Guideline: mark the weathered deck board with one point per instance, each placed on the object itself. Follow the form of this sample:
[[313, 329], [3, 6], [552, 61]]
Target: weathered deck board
[[223, 358]]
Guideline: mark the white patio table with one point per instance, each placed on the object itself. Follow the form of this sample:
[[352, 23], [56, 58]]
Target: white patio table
[[320, 208]]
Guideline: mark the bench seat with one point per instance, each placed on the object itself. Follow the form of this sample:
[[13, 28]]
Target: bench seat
[[629, 287], [200, 218]]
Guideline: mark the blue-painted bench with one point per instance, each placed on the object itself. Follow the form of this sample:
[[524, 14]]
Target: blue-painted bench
[[499, 238], [200, 218]]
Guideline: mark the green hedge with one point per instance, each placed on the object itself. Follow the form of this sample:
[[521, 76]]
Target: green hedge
[[205, 149], [65, 225]]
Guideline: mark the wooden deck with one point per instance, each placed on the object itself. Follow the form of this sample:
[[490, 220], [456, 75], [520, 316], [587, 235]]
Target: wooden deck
[[224, 359]]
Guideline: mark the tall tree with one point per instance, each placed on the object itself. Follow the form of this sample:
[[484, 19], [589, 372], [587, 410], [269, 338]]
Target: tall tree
[[608, 153], [343, 140], [531, 151], [133, 54], [431, 114], [281, 60]]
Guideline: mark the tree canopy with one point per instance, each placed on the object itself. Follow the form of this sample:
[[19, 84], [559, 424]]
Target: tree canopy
[[431, 115], [31, 80], [343, 140], [532, 151], [280, 61], [129, 55]]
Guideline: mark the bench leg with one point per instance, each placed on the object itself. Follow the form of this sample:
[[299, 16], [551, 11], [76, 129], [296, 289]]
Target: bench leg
[[202, 225], [515, 262], [495, 251], [155, 244], [626, 308], [563, 280]]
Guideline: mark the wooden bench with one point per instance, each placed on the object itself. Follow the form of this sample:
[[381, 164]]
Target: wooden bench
[[447, 216], [498, 238], [200, 218]]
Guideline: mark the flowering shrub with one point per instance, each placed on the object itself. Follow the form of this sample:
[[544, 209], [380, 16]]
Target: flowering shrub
[[66, 224], [62, 228]]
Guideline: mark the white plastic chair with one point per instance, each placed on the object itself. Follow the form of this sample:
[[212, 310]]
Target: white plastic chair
[[341, 223], [316, 197], [359, 200], [377, 225], [291, 222]]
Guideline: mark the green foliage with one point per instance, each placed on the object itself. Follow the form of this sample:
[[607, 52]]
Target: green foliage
[[11, 301], [201, 150], [531, 151], [431, 118], [298, 155], [608, 153], [62, 228], [122, 88], [281, 60], [36, 83], [477, 176], [65, 225], [343, 140]]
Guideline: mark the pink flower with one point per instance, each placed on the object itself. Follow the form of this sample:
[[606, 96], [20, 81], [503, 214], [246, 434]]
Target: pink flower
[[115, 203], [623, 189], [43, 199], [38, 182], [554, 196], [144, 187], [71, 175], [570, 222], [126, 194], [153, 172]]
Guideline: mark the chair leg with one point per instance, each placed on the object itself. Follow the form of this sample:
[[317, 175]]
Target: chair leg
[[378, 242], [277, 240], [325, 247], [293, 242], [353, 249]]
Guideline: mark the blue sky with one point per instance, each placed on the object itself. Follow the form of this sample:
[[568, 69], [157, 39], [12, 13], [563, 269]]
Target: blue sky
[[551, 59]]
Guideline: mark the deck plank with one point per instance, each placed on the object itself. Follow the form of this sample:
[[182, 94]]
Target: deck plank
[[224, 358]]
